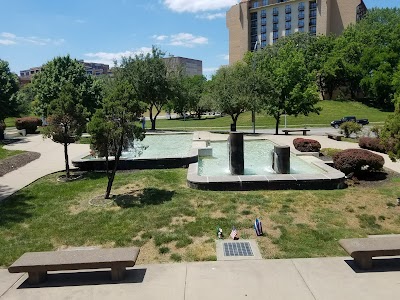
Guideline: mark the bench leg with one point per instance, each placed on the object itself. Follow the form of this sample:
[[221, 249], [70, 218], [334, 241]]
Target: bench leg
[[36, 277], [304, 132], [363, 262], [118, 273]]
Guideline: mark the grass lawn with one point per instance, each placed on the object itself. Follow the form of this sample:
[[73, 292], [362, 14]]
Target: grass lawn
[[170, 222], [331, 110], [7, 153]]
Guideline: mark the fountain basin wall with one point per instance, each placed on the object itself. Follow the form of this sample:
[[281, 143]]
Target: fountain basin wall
[[94, 164], [331, 179]]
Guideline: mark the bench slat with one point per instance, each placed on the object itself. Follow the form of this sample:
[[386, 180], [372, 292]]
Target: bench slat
[[375, 244], [75, 260]]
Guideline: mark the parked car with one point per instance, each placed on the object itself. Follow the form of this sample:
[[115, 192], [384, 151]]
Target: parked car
[[337, 123]]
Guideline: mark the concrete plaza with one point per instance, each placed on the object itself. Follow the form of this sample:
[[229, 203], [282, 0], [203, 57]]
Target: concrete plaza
[[315, 278]]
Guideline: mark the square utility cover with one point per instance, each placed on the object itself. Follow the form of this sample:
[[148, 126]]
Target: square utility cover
[[237, 250]]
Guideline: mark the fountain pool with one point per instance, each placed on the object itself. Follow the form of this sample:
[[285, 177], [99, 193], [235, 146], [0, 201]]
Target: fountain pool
[[156, 151], [306, 172]]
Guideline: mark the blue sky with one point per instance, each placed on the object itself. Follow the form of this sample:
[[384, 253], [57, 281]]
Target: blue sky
[[32, 32]]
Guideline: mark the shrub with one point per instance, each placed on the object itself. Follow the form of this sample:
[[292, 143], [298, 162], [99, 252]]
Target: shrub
[[348, 128], [306, 145], [330, 151], [30, 124], [357, 160], [2, 128], [373, 144]]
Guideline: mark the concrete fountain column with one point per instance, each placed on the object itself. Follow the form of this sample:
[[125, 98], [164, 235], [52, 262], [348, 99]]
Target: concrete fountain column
[[236, 153], [281, 160]]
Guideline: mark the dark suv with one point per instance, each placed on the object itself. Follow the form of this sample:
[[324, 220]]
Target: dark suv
[[337, 123]]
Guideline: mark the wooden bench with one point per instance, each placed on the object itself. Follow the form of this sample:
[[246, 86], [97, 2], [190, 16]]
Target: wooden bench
[[37, 264], [286, 131], [363, 249], [333, 136]]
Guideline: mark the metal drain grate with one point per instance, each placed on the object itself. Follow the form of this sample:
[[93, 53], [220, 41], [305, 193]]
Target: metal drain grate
[[237, 249]]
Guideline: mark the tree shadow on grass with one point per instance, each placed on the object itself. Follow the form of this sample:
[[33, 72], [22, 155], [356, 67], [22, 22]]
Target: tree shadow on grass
[[15, 209], [148, 196]]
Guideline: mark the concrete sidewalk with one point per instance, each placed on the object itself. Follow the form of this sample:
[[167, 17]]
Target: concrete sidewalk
[[316, 278], [51, 160]]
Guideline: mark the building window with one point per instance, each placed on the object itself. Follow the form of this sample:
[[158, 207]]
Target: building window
[[288, 32], [288, 9], [288, 25], [313, 5], [253, 16], [301, 29], [301, 23], [301, 15], [275, 11], [263, 13], [263, 29], [263, 44], [313, 13], [263, 37], [254, 23], [288, 17], [313, 30], [275, 19], [301, 6], [275, 27], [265, 2], [313, 22], [254, 31], [263, 21], [254, 39], [275, 36], [255, 4]]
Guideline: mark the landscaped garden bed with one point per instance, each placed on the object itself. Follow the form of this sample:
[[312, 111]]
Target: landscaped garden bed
[[155, 210]]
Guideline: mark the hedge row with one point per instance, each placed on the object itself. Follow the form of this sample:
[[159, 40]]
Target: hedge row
[[357, 160], [306, 145], [373, 144], [30, 124]]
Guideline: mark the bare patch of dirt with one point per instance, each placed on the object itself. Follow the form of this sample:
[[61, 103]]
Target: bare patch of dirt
[[181, 220]]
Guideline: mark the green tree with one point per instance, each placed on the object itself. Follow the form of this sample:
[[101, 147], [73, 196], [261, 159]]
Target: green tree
[[24, 99], [152, 81], [235, 89], [390, 134], [8, 86], [291, 88], [66, 120], [60, 71], [113, 127]]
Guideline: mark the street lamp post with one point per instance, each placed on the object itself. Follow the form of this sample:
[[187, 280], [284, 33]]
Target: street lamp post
[[253, 112]]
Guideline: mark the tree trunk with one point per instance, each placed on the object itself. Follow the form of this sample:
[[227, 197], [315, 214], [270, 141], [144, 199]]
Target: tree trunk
[[321, 88], [199, 115], [114, 170], [66, 159], [277, 118]]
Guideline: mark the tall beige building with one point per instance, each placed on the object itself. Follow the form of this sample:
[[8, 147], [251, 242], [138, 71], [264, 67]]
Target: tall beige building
[[263, 22]]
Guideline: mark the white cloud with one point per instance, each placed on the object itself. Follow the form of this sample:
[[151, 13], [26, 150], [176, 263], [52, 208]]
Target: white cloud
[[7, 42], [80, 21], [209, 16], [198, 5], [182, 40], [160, 37], [109, 57], [12, 39], [224, 56]]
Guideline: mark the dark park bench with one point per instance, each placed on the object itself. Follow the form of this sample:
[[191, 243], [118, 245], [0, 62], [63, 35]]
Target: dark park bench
[[333, 136], [37, 264], [363, 249], [286, 131]]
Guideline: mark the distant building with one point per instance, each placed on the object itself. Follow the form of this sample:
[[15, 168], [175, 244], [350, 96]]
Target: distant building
[[190, 66], [258, 23], [95, 69]]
